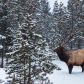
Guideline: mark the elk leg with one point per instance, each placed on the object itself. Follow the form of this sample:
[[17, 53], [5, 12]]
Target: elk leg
[[82, 67], [70, 67]]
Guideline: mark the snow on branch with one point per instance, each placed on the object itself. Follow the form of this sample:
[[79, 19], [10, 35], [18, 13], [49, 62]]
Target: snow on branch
[[1, 46], [2, 37]]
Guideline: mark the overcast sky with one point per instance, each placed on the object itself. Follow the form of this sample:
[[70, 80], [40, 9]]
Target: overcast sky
[[51, 2]]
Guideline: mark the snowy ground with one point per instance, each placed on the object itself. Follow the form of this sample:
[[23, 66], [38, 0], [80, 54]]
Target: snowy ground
[[2, 76], [63, 76], [60, 77]]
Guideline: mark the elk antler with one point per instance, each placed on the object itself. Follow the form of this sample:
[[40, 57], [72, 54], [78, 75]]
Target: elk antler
[[67, 34], [57, 42], [70, 37]]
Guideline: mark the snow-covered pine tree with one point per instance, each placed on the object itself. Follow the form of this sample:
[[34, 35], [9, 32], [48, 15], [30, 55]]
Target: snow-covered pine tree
[[43, 19], [30, 58], [54, 31], [79, 25], [58, 23], [72, 8], [4, 28], [56, 9], [4, 25], [75, 22], [18, 7], [44, 4]]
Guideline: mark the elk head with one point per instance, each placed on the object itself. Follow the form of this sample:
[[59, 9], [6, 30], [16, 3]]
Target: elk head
[[58, 49]]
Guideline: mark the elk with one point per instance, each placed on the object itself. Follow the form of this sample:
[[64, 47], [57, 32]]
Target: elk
[[70, 56]]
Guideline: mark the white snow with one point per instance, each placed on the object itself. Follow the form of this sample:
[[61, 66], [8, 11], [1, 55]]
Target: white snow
[[1, 46], [2, 37], [61, 76], [38, 35], [2, 75]]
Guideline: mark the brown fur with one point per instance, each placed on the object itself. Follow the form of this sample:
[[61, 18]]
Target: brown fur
[[71, 57], [71, 49], [76, 57]]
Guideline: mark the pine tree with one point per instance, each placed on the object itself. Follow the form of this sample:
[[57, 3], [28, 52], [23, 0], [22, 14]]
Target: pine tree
[[30, 58], [17, 8], [56, 10], [59, 23], [79, 24], [44, 6], [4, 28], [75, 10], [54, 31], [43, 18], [72, 18]]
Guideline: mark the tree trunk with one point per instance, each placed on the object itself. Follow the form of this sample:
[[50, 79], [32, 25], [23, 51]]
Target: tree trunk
[[72, 27], [79, 44], [2, 53], [24, 71], [2, 60], [29, 77]]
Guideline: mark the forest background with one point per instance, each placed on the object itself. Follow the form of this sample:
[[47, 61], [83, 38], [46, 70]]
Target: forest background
[[28, 30]]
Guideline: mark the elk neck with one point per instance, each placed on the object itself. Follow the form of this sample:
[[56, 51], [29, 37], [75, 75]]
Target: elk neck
[[63, 56]]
